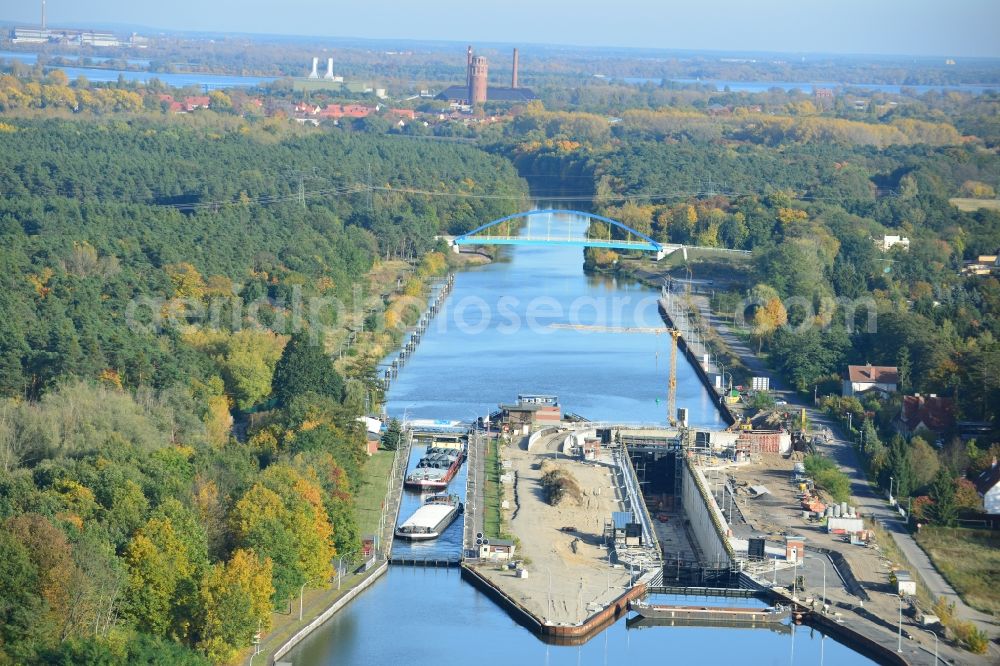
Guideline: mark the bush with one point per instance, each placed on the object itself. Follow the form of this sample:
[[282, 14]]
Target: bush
[[828, 477], [969, 635]]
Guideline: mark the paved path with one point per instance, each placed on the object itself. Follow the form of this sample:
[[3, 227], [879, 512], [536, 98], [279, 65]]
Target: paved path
[[841, 450], [474, 485]]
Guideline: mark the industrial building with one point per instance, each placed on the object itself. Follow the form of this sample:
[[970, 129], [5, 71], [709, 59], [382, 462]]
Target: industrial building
[[478, 91]]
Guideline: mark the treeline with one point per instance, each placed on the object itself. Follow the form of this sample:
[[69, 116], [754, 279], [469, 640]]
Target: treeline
[[178, 453]]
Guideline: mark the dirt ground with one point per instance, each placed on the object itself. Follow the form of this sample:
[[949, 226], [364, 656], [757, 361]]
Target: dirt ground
[[563, 586], [780, 512]]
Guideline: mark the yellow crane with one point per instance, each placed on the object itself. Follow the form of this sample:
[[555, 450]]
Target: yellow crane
[[644, 330]]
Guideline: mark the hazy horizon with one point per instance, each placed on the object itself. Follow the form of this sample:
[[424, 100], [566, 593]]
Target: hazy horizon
[[964, 28]]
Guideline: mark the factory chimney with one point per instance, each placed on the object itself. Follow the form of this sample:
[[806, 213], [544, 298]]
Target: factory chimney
[[468, 67], [513, 76], [478, 72], [43, 14], [314, 74], [329, 69]]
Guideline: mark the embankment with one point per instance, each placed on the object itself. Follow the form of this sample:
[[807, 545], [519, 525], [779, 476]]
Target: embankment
[[561, 634]]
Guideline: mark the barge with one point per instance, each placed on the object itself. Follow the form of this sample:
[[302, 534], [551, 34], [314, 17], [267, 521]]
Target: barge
[[437, 468], [431, 519]]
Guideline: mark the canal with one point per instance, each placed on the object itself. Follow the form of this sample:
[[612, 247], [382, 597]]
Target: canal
[[490, 343]]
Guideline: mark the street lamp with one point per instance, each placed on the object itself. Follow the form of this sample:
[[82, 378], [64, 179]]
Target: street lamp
[[823, 562], [301, 592], [934, 634]]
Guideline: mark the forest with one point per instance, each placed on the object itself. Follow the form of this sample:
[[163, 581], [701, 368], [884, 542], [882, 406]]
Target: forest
[[146, 517]]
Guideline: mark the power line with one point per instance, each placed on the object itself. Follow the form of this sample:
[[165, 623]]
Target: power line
[[368, 188]]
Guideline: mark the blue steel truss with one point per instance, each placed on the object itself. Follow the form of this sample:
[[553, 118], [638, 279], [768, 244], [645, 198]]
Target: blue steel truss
[[647, 243]]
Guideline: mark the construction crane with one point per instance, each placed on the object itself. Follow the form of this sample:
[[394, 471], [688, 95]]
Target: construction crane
[[644, 330]]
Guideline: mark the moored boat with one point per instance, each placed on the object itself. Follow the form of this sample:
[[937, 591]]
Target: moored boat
[[436, 468], [431, 519]]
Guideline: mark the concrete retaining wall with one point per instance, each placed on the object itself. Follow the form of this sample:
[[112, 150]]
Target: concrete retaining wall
[[707, 522], [695, 362], [329, 612], [538, 434]]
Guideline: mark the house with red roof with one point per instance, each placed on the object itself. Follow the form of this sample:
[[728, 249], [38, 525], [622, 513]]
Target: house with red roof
[[864, 378], [930, 412], [197, 102]]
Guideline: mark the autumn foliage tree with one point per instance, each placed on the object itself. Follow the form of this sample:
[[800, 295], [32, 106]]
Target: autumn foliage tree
[[282, 517], [236, 601]]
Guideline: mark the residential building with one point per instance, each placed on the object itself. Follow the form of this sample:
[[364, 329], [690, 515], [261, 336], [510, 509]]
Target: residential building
[[890, 241], [930, 412], [988, 485], [197, 102], [863, 378]]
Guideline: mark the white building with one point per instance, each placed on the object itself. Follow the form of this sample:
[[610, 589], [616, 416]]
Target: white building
[[889, 242], [864, 378], [988, 485]]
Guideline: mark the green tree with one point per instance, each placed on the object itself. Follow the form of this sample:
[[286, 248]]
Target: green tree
[[161, 575], [900, 467], [20, 603], [305, 367], [236, 598], [393, 436], [924, 462], [904, 367], [944, 510]]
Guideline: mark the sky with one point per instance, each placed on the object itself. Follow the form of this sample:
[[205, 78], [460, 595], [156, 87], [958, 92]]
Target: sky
[[952, 28]]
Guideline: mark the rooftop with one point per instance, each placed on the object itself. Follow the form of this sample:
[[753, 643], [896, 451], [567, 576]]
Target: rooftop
[[873, 374], [932, 412]]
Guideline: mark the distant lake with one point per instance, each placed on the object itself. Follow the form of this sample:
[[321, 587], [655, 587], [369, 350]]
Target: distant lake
[[764, 86], [98, 75]]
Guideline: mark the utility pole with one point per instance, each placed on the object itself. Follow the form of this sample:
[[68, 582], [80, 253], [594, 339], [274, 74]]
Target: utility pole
[[371, 201]]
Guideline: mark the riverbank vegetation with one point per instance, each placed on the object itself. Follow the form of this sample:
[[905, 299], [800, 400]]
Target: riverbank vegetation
[[178, 451]]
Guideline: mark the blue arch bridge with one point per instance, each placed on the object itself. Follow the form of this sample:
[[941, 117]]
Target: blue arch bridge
[[618, 236]]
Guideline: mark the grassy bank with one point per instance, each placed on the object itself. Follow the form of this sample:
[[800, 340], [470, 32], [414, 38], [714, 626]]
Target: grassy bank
[[969, 560], [492, 492], [368, 502]]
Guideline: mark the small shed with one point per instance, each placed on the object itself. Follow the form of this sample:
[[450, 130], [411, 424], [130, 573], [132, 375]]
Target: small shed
[[627, 532], [795, 548], [591, 449], [905, 585], [368, 546], [497, 549]]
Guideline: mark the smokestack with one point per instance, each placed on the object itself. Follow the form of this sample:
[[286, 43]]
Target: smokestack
[[329, 69], [43, 14], [468, 67], [513, 76], [314, 74]]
